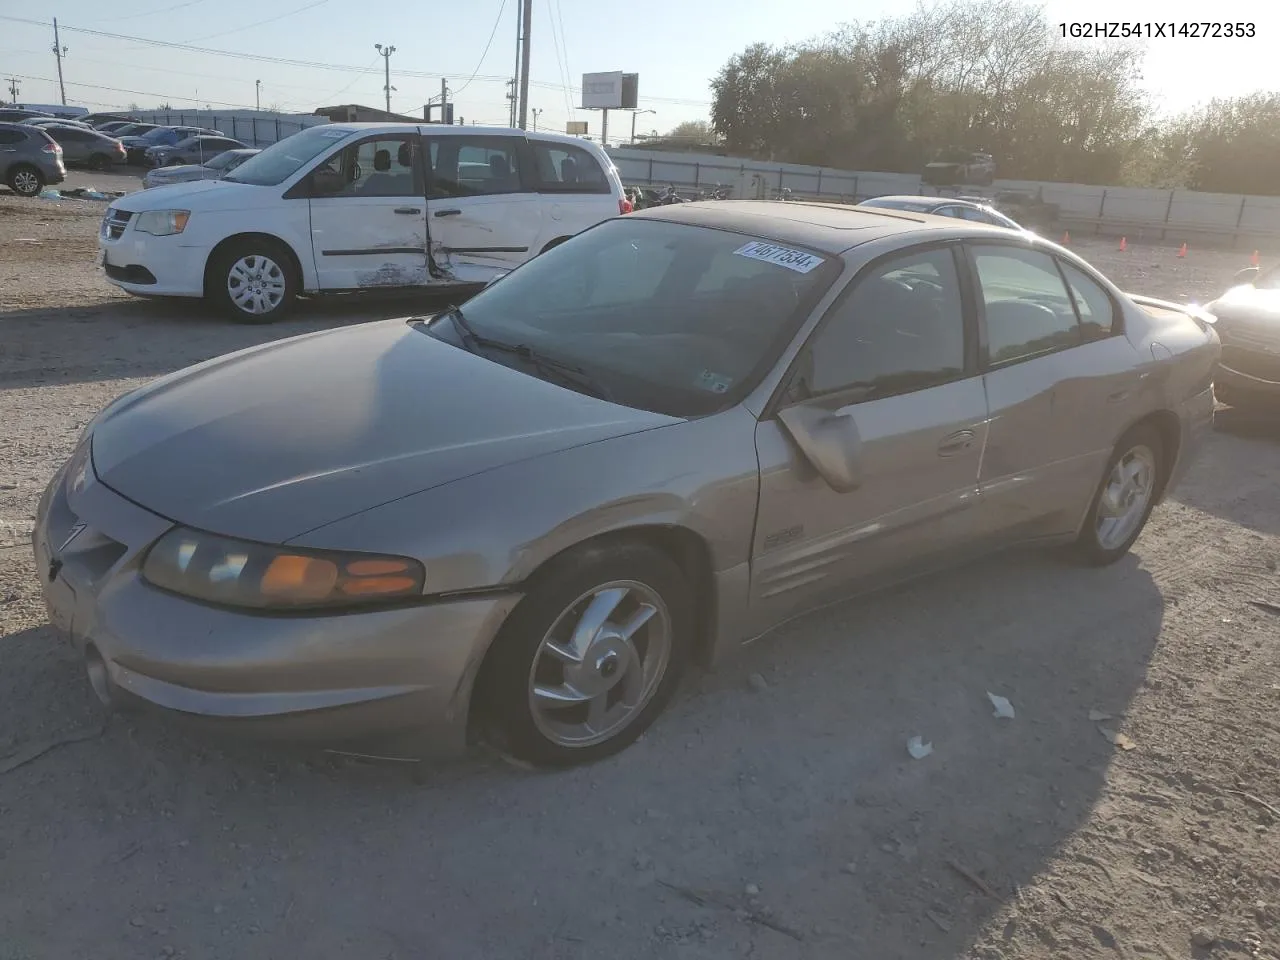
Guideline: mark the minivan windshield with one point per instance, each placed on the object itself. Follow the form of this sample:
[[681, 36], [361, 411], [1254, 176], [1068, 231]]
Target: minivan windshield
[[677, 319], [278, 162]]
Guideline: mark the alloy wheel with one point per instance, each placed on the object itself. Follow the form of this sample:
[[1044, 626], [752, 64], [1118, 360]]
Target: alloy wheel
[[1126, 496]]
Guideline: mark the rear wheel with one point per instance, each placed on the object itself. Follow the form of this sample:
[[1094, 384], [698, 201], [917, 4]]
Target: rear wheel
[[25, 180], [98, 161], [1125, 497], [253, 282]]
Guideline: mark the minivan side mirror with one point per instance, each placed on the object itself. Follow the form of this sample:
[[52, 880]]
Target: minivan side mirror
[[1247, 275], [325, 182]]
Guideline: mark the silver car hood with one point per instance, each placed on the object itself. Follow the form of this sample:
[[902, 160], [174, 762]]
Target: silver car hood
[[274, 441]]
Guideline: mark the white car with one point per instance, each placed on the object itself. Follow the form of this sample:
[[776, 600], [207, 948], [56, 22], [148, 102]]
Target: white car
[[347, 207]]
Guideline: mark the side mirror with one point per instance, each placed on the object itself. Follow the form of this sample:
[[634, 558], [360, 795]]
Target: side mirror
[[325, 182], [1247, 275], [830, 441]]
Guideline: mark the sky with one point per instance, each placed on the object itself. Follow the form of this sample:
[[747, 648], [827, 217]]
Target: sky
[[675, 46]]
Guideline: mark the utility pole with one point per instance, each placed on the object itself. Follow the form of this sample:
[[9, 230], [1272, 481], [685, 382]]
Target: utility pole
[[59, 51], [511, 106], [386, 53], [257, 95], [537, 112], [514, 83], [444, 100], [634, 114], [524, 65], [15, 87]]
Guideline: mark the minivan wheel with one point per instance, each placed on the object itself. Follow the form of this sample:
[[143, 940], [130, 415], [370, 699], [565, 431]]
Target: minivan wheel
[[590, 656], [1124, 499], [25, 180], [253, 282]]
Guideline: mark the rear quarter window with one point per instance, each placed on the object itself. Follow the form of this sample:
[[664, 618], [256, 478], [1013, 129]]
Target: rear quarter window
[[564, 168]]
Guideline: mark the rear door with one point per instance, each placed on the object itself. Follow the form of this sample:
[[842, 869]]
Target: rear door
[[372, 231], [1056, 388], [485, 216], [576, 191], [892, 374]]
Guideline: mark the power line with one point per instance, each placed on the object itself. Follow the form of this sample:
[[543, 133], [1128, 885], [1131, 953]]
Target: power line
[[136, 93], [248, 26], [149, 13], [313, 64], [493, 33]]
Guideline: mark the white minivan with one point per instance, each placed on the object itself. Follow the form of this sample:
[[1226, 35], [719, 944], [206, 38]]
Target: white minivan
[[350, 206]]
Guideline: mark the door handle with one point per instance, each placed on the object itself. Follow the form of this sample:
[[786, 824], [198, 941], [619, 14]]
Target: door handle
[[408, 210], [958, 442], [448, 213]]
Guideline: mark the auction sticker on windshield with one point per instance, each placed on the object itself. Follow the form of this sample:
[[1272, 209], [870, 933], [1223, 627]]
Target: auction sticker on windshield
[[792, 259]]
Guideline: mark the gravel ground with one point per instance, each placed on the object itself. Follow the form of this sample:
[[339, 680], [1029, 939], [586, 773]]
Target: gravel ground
[[773, 813]]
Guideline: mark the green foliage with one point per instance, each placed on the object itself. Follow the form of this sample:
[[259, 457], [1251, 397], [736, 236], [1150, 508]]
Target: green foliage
[[988, 76]]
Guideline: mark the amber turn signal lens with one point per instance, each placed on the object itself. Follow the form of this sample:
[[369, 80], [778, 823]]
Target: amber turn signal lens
[[375, 568], [374, 586], [299, 578]]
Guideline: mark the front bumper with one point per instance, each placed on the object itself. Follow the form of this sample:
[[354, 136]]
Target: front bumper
[[1231, 381], [1196, 417], [343, 681], [159, 266]]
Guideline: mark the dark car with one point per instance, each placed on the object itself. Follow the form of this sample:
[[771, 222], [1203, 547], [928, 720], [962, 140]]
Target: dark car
[[945, 207], [137, 146], [30, 159], [19, 115], [83, 147], [1248, 314], [953, 167], [114, 127], [101, 119], [198, 150]]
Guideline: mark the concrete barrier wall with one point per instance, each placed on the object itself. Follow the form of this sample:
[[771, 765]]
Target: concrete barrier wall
[[1173, 215]]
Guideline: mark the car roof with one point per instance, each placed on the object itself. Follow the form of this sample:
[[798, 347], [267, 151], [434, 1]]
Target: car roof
[[933, 201], [830, 228], [456, 130]]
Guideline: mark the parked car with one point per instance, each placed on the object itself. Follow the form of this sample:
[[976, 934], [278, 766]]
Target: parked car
[[137, 145], [215, 169], [345, 207], [30, 159], [196, 150], [945, 207], [58, 122], [84, 147], [100, 120], [115, 127], [131, 130], [1248, 315], [644, 447], [19, 115], [954, 167]]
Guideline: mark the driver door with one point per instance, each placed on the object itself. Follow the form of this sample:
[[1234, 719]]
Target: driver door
[[371, 231], [870, 466]]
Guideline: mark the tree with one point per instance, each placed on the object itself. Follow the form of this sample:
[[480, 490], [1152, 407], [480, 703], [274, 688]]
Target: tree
[[697, 131]]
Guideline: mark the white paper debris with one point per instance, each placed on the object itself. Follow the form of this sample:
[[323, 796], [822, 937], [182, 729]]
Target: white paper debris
[[1096, 715], [1004, 709], [1119, 739], [918, 748]]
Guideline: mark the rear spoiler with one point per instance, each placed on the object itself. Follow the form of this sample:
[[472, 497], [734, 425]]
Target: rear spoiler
[[1201, 316]]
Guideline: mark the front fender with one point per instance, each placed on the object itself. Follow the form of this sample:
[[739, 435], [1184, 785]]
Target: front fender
[[497, 528]]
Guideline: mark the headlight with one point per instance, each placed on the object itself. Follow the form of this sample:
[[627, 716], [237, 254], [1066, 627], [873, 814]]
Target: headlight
[[260, 576], [162, 223]]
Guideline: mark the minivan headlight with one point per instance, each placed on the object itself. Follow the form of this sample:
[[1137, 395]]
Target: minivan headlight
[[239, 573], [162, 223]]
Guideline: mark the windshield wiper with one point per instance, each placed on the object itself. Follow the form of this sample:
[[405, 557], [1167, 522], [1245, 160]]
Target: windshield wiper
[[567, 374]]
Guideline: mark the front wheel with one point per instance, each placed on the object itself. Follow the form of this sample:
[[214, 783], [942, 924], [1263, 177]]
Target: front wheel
[[1124, 499], [591, 656], [26, 181], [253, 282]]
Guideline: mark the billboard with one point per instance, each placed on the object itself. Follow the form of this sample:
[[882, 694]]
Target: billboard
[[610, 91]]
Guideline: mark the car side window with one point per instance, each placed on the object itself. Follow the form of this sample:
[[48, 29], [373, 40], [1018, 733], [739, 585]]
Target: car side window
[[949, 211], [1097, 310], [900, 329], [564, 168], [1027, 307], [384, 167], [475, 166]]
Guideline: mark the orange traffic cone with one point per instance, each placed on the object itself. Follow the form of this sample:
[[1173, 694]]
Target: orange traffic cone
[[1182, 251], [1124, 244], [1066, 238], [1254, 261]]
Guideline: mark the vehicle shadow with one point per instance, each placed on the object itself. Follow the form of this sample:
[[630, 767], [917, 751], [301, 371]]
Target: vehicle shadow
[[1234, 476], [786, 770], [151, 337]]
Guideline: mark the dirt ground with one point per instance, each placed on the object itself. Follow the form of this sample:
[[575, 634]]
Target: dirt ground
[[773, 812]]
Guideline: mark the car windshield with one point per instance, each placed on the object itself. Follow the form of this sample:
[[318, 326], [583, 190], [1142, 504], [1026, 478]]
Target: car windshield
[[677, 319], [134, 130], [223, 160], [278, 162], [160, 135]]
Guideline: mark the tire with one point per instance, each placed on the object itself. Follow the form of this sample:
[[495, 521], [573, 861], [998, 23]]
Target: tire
[[25, 180], [551, 730], [266, 268], [1101, 543]]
